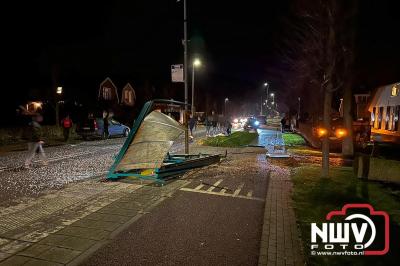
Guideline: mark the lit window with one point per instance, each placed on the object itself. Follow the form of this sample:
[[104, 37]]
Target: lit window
[[106, 93], [128, 97], [395, 90]]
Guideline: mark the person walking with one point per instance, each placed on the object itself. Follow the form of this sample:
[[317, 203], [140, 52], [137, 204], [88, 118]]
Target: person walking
[[36, 142], [66, 124]]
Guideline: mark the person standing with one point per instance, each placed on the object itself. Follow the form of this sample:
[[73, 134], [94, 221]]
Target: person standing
[[192, 124], [66, 124], [105, 125], [228, 127], [36, 142], [214, 123], [283, 122], [207, 122]]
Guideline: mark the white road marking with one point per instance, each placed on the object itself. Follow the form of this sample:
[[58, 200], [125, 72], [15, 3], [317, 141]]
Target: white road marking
[[237, 191], [250, 193], [215, 185], [221, 194], [199, 187], [223, 191]]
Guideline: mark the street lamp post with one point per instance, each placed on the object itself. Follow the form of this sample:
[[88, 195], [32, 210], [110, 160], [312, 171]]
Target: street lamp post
[[196, 63], [226, 101], [273, 100], [185, 68], [298, 109], [58, 92], [266, 85]]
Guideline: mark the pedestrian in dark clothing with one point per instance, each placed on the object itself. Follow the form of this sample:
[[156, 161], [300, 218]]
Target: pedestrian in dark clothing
[[35, 141], [66, 123], [283, 123], [192, 124], [214, 122], [207, 122], [228, 127], [105, 126]]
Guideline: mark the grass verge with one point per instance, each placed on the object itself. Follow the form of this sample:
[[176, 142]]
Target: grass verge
[[236, 139], [292, 139], [314, 197]]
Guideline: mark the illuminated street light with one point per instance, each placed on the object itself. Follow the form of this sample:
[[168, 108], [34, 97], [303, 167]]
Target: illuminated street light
[[272, 94], [59, 90], [196, 63], [226, 101]]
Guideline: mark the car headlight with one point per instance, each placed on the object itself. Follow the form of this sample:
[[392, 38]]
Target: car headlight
[[256, 123]]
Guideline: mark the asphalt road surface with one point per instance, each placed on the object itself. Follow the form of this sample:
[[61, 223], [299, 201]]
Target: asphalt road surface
[[214, 220], [67, 163]]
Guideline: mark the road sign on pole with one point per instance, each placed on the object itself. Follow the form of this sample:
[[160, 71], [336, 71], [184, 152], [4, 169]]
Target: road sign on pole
[[177, 73]]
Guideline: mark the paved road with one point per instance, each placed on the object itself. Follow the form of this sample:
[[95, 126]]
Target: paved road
[[67, 163], [214, 220]]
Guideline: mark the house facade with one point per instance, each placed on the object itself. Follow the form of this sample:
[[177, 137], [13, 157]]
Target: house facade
[[128, 96], [108, 92], [385, 113]]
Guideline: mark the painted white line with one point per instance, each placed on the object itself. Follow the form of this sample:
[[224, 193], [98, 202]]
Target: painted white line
[[223, 191], [221, 194], [199, 187], [237, 191], [250, 193], [215, 185]]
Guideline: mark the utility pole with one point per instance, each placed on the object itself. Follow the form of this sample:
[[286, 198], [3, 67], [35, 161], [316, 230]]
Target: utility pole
[[298, 109], [185, 69], [192, 109]]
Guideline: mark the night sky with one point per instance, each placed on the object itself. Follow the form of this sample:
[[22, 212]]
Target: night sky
[[77, 44]]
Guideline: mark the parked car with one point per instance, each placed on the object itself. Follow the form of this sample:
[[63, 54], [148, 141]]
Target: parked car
[[93, 128]]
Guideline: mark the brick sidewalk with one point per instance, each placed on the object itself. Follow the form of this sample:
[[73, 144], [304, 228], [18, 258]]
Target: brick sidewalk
[[62, 236], [280, 242]]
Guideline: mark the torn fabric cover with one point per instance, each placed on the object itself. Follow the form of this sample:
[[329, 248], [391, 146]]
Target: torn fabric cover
[[151, 143]]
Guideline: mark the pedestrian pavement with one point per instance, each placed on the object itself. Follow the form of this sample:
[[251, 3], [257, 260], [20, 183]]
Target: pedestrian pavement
[[67, 227], [280, 241], [67, 236]]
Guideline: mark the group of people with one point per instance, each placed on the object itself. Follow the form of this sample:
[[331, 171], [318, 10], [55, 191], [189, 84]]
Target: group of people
[[288, 123], [215, 125]]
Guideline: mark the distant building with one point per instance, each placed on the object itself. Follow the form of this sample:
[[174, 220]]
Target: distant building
[[108, 92], [385, 113], [128, 96]]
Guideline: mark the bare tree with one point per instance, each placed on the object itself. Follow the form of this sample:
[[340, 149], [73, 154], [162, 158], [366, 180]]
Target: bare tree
[[315, 53]]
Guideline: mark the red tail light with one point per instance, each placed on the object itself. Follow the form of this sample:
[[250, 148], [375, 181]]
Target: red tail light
[[95, 125]]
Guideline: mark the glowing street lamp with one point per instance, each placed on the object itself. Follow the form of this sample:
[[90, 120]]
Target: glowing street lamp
[[196, 63], [59, 90]]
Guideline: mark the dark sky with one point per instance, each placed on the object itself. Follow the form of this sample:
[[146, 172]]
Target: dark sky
[[79, 43]]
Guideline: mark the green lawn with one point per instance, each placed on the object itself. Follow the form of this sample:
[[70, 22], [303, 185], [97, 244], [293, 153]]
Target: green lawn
[[292, 139], [236, 139], [314, 197]]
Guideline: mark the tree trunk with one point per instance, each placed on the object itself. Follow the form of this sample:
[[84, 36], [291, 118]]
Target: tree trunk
[[347, 144], [327, 126]]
